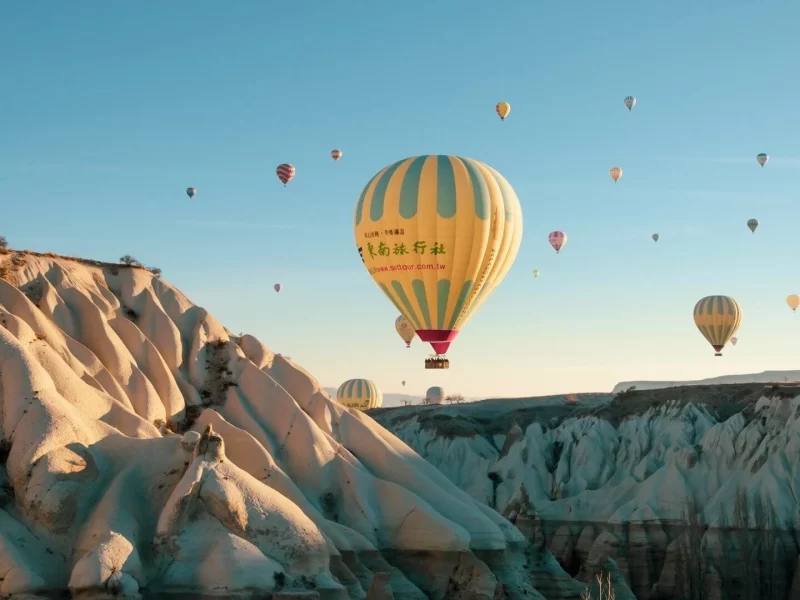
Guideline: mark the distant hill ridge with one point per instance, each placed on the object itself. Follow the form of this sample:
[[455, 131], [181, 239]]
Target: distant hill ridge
[[763, 377]]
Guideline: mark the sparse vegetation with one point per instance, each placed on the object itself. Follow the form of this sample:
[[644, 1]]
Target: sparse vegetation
[[622, 395], [155, 271], [605, 591], [129, 261], [3, 243], [454, 399]]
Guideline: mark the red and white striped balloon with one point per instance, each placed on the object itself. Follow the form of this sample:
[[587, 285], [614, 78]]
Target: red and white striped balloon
[[285, 173], [557, 240]]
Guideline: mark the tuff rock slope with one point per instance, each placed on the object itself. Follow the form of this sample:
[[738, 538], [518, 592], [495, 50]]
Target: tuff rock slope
[[146, 449]]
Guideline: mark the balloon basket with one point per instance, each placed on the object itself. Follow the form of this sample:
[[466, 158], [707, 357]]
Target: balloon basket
[[437, 362], [718, 354]]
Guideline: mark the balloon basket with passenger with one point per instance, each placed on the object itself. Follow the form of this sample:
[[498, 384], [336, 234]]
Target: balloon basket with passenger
[[437, 361]]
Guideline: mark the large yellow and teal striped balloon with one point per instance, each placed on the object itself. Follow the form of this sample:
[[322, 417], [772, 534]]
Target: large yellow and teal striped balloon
[[362, 394], [438, 233], [717, 318]]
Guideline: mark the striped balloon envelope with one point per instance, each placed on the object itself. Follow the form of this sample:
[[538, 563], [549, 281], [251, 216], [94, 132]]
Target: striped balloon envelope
[[437, 234], [717, 318], [362, 394], [285, 173], [557, 240]]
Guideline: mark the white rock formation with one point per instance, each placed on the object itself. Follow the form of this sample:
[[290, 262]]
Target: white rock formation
[[145, 449]]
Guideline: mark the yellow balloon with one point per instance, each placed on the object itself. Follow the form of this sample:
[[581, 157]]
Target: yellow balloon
[[359, 393], [717, 318], [793, 301], [437, 234], [405, 330], [503, 109]]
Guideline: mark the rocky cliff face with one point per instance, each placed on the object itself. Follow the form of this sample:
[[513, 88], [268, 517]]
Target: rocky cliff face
[[146, 449], [688, 490]]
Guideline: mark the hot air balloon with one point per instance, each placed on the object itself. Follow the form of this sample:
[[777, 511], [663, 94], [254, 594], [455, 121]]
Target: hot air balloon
[[503, 109], [403, 382], [536, 272], [655, 237], [762, 159], [734, 340], [438, 233], [277, 287], [285, 173], [405, 330], [615, 173], [359, 393], [752, 225], [336, 155], [630, 102], [793, 301], [191, 192], [557, 240], [717, 318], [434, 395]]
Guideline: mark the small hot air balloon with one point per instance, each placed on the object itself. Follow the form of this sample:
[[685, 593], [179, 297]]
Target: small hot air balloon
[[277, 287], [630, 102], [403, 382], [762, 159], [536, 272], [432, 207], [285, 173], [655, 237], [191, 192], [557, 240], [336, 155], [717, 318], [434, 395], [793, 301], [752, 225], [405, 330], [503, 109], [359, 393], [615, 173], [734, 340]]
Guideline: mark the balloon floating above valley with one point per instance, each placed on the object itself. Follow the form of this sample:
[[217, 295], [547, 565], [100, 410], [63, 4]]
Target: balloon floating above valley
[[503, 109], [616, 173], [437, 234], [336, 155], [752, 225], [762, 159], [717, 318], [191, 192], [361, 394], [630, 102], [558, 240], [285, 173], [405, 330]]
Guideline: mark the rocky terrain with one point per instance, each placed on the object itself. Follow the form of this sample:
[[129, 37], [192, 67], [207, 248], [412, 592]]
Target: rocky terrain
[[148, 450], [690, 491]]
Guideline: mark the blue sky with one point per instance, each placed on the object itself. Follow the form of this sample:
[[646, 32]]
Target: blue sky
[[110, 110]]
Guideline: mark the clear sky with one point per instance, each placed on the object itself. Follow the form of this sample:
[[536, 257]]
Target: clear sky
[[109, 110]]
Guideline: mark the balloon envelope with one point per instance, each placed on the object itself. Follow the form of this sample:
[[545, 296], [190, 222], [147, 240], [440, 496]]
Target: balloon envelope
[[336, 154], [285, 173], [277, 287], [191, 192], [503, 109], [557, 240], [434, 395], [536, 272], [615, 173], [762, 159], [717, 318], [734, 340], [437, 234], [362, 394], [655, 237], [793, 301], [404, 329], [630, 102], [752, 225]]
